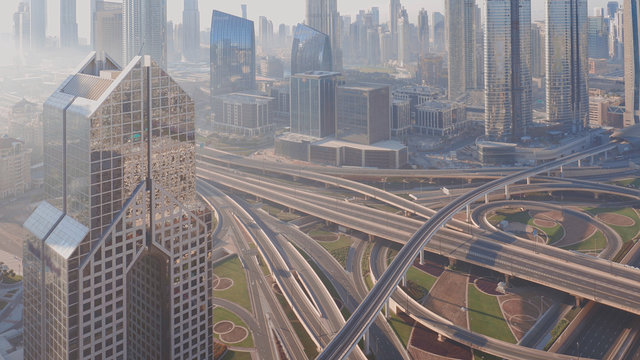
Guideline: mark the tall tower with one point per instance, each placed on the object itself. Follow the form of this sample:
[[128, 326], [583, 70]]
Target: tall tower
[[144, 26], [404, 41], [323, 16], [632, 62], [423, 32], [507, 69], [118, 260], [566, 65], [438, 32], [460, 33], [38, 23], [107, 31], [68, 24], [394, 13], [22, 27], [191, 30]]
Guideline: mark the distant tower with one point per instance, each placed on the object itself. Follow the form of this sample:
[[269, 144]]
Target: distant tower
[[107, 31], [311, 50], [323, 16], [38, 23], [460, 20], [191, 30], [22, 27], [244, 11], [507, 69], [404, 36], [632, 62], [145, 29], [394, 13], [68, 24], [567, 66], [438, 32], [423, 32]]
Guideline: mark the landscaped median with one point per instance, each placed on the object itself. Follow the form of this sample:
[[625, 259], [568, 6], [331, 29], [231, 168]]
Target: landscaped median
[[485, 316], [230, 329]]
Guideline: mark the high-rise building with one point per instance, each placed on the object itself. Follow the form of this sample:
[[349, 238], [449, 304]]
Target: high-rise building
[[616, 37], [191, 30], [439, 33], [107, 20], [508, 113], [38, 23], [311, 51], [632, 62], [373, 46], [233, 54], [423, 33], [394, 15], [612, 9], [265, 27], [430, 70], [244, 10], [313, 103], [68, 24], [118, 260], [404, 37], [145, 29], [92, 12], [363, 113], [538, 49], [22, 26], [323, 16], [460, 32], [598, 37], [567, 63]]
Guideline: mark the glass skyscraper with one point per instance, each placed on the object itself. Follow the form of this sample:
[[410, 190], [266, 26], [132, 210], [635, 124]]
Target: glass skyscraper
[[323, 15], [233, 54], [311, 50], [632, 62], [68, 24], [567, 64], [191, 30], [117, 263], [313, 103], [507, 61], [460, 28], [145, 29]]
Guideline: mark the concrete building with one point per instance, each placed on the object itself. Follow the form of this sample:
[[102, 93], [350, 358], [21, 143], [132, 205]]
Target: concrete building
[[15, 167], [243, 113], [323, 16], [313, 103], [145, 30], [400, 118], [605, 112], [363, 113], [567, 64], [191, 30], [440, 118], [107, 31], [508, 93], [632, 62], [394, 16], [38, 23], [68, 24], [416, 95], [430, 70], [118, 260], [460, 32]]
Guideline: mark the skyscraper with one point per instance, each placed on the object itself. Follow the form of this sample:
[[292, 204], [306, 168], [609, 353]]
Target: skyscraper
[[145, 29], [118, 261], [460, 33], [68, 24], [598, 37], [191, 30], [22, 26], [438, 32], [233, 54], [538, 49], [507, 69], [38, 23], [107, 32], [404, 37], [323, 16], [394, 13], [363, 113], [632, 62], [311, 51], [423, 32], [313, 103], [567, 66]]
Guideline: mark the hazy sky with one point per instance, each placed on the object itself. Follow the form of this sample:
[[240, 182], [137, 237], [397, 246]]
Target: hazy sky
[[279, 11]]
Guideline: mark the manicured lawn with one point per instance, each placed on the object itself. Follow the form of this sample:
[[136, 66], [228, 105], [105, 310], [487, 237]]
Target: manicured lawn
[[237, 355], [419, 282], [511, 215], [626, 233], [554, 234], [400, 327], [310, 348], [339, 249], [222, 314], [485, 316], [232, 268], [597, 241]]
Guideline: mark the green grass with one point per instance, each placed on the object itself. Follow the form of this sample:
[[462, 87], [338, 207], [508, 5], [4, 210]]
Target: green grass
[[401, 328], [626, 233], [419, 283], [339, 249], [366, 257], [310, 348], [629, 182], [479, 355], [239, 293], [554, 234], [485, 316], [597, 241], [222, 314], [236, 355], [368, 281]]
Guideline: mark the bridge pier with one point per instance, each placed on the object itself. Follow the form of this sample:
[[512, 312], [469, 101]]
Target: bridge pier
[[468, 213], [596, 195], [507, 279], [486, 198], [441, 338], [506, 192], [422, 257], [386, 309], [371, 238], [561, 171], [469, 181], [404, 280], [579, 163], [579, 301], [528, 181], [452, 262], [367, 343], [592, 160]]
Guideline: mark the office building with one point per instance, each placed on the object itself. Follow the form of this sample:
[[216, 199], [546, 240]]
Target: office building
[[440, 118], [616, 37], [404, 38], [145, 30], [233, 54], [245, 114], [598, 37], [323, 16], [460, 30], [567, 65], [400, 118], [423, 33], [191, 30], [313, 107], [439, 33], [68, 24], [38, 23], [604, 112], [632, 62], [22, 27], [508, 113], [107, 32], [363, 113], [538, 49], [118, 260], [15, 167]]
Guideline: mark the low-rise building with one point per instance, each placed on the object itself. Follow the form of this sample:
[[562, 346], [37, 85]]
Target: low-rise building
[[400, 118], [605, 112], [243, 113], [15, 165], [440, 118]]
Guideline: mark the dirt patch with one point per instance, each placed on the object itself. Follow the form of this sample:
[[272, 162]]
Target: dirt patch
[[488, 286], [424, 345], [576, 230], [616, 220], [448, 296], [544, 223], [223, 284], [223, 327], [234, 336], [521, 311]]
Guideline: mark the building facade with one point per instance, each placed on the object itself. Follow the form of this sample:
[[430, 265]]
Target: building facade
[[400, 118], [538, 49], [38, 23], [313, 103], [363, 113], [25, 123], [118, 261], [323, 16], [233, 54], [508, 93], [567, 63], [440, 118], [145, 30], [15, 167], [460, 32], [107, 31], [191, 30], [311, 51], [68, 24], [244, 114], [632, 62]]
